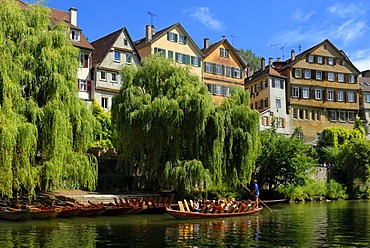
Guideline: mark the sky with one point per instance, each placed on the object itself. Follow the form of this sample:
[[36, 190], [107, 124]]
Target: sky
[[270, 28]]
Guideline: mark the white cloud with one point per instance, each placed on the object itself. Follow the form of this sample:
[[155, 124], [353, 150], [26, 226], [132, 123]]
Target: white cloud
[[347, 10], [301, 16], [203, 15], [350, 30], [361, 59]]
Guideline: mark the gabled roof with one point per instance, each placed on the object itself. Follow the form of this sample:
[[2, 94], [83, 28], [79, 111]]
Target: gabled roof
[[267, 71], [103, 45], [160, 33], [63, 16], [290, 62], [214, 46], [365, 73]]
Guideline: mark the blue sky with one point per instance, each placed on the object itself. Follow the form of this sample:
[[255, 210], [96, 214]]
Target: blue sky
[[269, 28]]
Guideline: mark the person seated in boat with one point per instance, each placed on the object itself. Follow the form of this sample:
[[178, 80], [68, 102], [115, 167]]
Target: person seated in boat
[[234, 207], [219, 206], [243, 206], [227, 207], [249, 205], [209, 206], [196, 207]]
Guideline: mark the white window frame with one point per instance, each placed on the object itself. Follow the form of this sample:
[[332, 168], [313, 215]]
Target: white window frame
[[351, 96], [318, 75], [330, 96], [307, 74], [128, 59], [319, 59], [305, 93], [318, 94], [236, 73], [340, 96], [278, 103], [264, 120], [196, 62], [367, 97], [277, 83], [208, 67], [331, 76], [330, 61], [342, 116], [228, 71], [298, 73], [227, 91], [171, 37], [83, 85], [75, 35], [311, 58], [295, 92], [116, 56], [340, 77], [333, 115], [182, 39], [113, 77], [104, 102], [180, 58], [351, 116], [352, 79], [103, 75], [295, 113], [218, 90], [218, 69]]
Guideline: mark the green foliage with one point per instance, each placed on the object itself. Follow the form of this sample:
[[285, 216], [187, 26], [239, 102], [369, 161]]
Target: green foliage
[[45, 129], [103, 133], [283, 161], [337, 136], [168, 127], [253, 60], [335, 190]]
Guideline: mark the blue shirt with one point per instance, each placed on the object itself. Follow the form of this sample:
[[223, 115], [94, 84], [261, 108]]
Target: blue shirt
[[256, 189]]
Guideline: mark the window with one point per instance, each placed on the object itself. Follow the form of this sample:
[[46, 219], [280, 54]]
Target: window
[[278, 103], [340, 96], [264, 120], [264, 84], [84, 60], [351, 116], [305, 93], [340, 77], [313, 113], [103, 75], [128, 58], [172, 37], [117, 56], [219, 69], [161, 51], [265, 103], [114, 77], [352, 79], [318, 115], [351, 96], [280, 122], [342, 116], [298, 73], [306, 114], [227, 91], [170, 54], [295, 113], [104, 102], [307, 74], [219, 90], [319, 59], [343, 62], [182, 39], [236, 73], [301, 114], [367, 97], [310, 58], [224, 52], [125, 42], [330, 61], [331, 76], [318, 94], [228, 71], [122, 79], [330, 96], [333, 115], [318, 75], [75, 35], [179, 57], [209, 67], [83, 85], [195, 61], [295, 92], [276, 83]]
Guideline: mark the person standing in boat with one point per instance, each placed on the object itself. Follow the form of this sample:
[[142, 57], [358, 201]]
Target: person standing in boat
[[255, 192]]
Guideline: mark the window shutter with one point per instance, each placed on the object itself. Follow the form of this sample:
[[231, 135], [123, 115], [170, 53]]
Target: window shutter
[[185, 40], [323, 92], [262, 118], [334, 61], [176, 37], [78, 84], [355, 97], [177, 56], [268, 121], [163, 52], [300, 93], [283, 122], [205, 66], [313, 74], [192, 58], [335, 95], [293, 72], [86, 61], [155, 49], [88, 85], [214, 68], [281, 84], [186, 59], [170, 54], [345, 96], [307, 57], [199, 62], [223, 70], [168, 36], [273, 83], [312, 93]]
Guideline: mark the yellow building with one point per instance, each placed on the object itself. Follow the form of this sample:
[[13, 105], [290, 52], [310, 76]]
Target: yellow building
[[222, 68], [322, 90], [174, 43]]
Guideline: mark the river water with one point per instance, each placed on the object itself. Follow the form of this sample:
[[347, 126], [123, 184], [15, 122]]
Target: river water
[[318, 224]]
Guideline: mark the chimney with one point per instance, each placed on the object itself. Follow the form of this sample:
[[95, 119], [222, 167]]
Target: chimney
[[270, 61], [248, 71], [262, 63], [149, 32], [206, 43], [292, 55], [73, 16], [278, 59]]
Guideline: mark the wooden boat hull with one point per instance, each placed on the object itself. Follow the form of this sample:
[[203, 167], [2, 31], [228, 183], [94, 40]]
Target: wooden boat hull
[[16, 215], [68, 212], [114, 211], [91, 211], [46, 213], [181, 215]]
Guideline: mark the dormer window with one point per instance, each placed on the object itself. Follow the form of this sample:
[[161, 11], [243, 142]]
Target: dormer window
[[75, 35], [224, 52], [310, 58]]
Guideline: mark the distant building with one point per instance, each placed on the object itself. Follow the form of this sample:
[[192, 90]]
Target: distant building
[[112, 52], [174, 43], [223, 68], [365, 101], [267, 89], [322, 90], [79, 41]]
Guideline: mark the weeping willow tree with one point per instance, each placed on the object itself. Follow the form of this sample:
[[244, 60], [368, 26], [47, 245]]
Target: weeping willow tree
[[45, 129], [171, 134]]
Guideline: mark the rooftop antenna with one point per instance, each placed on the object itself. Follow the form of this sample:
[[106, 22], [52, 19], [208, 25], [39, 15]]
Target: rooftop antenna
[[151, 17], [282, 49], [275, 45], [299, 48], [232, 39]]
